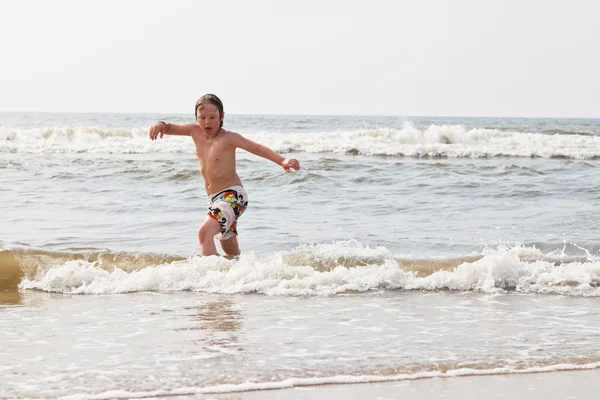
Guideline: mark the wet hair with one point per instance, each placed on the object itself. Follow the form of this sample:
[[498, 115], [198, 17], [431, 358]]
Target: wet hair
[[209, 99]]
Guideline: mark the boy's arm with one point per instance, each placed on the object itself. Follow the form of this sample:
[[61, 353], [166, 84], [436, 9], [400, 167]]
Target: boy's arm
[[287, 163], [167, 128]]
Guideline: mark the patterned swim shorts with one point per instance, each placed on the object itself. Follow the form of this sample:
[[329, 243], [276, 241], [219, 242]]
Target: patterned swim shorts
[[226, 207]]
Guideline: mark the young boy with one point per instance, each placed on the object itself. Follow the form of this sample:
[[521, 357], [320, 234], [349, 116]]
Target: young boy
[[215, 149]]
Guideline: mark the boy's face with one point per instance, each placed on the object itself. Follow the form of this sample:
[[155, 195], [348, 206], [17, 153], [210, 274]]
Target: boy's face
[[208, 118]]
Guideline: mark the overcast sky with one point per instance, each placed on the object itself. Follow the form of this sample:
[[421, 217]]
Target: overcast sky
[[532, 58]]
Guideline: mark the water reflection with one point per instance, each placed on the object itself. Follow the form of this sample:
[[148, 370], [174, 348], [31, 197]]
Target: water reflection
[[220, 321]]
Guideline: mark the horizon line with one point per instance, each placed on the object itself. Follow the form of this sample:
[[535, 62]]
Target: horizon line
[[298, 115]]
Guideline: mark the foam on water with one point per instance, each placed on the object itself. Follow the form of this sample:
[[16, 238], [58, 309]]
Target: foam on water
[[339, 379], [325, 270], [453, 141]]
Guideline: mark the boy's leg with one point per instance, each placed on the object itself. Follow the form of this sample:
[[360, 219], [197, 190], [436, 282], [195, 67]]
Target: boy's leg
[[230, 246], [206, 236]]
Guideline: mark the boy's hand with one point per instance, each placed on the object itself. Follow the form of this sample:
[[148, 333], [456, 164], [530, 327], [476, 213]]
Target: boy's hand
[[290, 163], [158, 128]]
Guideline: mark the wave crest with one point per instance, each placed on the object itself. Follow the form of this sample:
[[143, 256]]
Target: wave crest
[[435, 141], [318, 270]]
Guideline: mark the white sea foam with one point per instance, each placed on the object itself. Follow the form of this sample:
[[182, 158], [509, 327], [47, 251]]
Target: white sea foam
[[338, 379], [324, 270], [84, 140], [452, 141]]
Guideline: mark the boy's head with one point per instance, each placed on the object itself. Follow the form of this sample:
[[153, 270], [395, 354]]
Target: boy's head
[[210, 99]]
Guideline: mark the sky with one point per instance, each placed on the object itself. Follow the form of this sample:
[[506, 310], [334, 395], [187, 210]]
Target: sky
[[513, 58]]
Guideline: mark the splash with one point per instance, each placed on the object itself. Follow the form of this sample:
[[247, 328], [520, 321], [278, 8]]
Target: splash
[[317, 270]]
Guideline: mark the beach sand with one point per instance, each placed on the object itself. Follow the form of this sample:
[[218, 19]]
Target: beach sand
[[568, 385]]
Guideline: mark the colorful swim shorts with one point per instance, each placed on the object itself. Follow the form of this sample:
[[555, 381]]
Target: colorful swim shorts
[[226, 207]]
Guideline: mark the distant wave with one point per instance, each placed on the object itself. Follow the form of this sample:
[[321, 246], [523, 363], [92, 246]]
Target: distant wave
[[310, 270], [436, 141], [565, 132]]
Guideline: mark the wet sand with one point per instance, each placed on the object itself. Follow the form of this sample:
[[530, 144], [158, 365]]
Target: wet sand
[[578, 385]]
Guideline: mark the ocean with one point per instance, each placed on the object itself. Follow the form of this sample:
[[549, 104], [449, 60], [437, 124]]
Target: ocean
[[405, 248]]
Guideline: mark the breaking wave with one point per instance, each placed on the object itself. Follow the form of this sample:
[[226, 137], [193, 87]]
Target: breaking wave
[[309, 270], [435, 141]]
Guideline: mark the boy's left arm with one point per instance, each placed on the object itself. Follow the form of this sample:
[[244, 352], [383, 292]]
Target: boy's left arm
[[263, 151]]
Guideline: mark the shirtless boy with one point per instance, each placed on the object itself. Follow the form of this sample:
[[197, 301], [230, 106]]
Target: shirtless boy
[[215, 149]]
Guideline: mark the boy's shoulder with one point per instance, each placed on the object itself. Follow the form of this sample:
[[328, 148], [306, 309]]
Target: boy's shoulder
[[233, 139], [230, 134], [195, 129]]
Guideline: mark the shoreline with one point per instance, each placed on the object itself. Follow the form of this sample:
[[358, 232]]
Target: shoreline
[[580, 384]]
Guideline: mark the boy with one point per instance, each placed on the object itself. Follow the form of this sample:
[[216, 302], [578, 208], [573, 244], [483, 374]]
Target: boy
[[215, 149]]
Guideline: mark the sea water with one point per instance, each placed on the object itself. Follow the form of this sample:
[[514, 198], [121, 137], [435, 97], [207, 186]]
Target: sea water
[[405, 247]]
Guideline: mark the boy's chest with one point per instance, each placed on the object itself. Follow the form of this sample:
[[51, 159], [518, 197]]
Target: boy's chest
[[214, 153]]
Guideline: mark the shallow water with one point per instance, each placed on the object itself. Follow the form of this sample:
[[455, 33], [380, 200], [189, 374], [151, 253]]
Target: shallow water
[[169, 343]]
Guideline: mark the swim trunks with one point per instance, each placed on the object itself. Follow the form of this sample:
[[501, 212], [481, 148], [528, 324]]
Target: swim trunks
[[226, 207]]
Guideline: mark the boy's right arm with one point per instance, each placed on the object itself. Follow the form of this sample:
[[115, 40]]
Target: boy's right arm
[[166, 128]]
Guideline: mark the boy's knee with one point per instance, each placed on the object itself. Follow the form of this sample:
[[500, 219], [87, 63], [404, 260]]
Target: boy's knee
[[205, 234], [208, 230]]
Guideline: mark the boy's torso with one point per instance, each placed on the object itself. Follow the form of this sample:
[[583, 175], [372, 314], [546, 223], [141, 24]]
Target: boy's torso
[[216, 157]]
